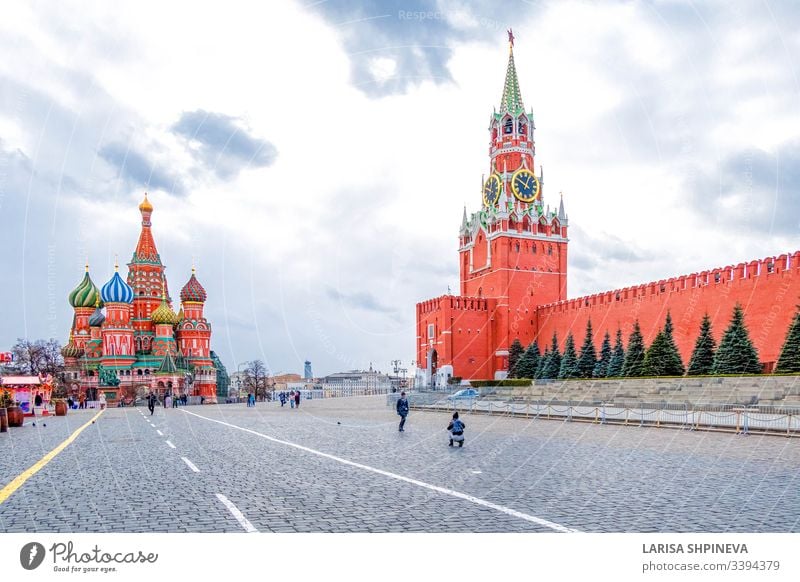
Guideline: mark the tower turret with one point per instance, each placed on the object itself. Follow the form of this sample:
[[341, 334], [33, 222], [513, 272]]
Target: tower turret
[[146, 278], [194, 338], [117, 331], [83, 299]]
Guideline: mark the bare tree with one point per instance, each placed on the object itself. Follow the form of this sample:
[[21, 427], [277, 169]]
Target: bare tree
[[38, 357], [256, 379]]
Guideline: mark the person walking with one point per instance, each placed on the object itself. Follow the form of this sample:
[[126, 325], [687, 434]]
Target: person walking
[[168, 401], [402, 410], [297, 399], [282, 397], [456, 428], [291, 398], [151, 403]]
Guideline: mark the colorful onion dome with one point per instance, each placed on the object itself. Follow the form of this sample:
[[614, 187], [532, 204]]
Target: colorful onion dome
[[85, 294], [193, 290], [71, 350], [116, 290], [97, 318], [145, 206], [163, 314]]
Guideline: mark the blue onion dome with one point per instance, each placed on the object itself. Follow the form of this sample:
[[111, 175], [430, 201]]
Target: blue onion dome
[[85, 294], [163, 314], [116, 290], [97, 318]]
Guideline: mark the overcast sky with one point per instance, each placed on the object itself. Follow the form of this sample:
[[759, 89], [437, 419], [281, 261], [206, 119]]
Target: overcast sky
[[314, 158]]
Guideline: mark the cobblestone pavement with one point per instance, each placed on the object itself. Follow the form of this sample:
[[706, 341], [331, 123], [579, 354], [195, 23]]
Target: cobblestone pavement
[[121, 474]]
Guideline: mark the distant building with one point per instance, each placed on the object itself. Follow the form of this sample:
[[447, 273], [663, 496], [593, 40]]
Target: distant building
[[307, 372], [223, 380], [356, 383]]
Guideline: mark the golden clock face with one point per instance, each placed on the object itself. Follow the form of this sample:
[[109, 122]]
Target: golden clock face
[[491, 190], [525, 185]]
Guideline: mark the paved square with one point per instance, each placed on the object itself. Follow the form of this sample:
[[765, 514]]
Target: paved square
[[340, 465]]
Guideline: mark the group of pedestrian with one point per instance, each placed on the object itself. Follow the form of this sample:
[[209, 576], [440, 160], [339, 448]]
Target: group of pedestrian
[[293, 397], [455, 428]]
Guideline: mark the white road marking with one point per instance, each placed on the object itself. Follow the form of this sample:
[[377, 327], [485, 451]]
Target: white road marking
[[243, 521], [437, 488], [159, 432], [192, 466], [170, 444], [477, 472]]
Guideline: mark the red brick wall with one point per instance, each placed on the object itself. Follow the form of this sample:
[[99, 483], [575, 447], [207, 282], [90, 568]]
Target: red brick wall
[[768, 299]]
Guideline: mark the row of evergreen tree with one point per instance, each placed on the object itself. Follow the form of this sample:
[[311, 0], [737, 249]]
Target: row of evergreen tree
[[735, 354]]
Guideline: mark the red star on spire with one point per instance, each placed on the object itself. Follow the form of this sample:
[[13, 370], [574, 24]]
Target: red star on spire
[[511, 37]]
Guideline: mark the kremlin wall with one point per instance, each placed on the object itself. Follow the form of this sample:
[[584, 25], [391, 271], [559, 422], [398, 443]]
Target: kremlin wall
[[513, 277]]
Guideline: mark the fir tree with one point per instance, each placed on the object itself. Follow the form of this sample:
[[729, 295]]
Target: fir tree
[[634, 355], [673, 363], [662, 357], [514, 354], [542, 363], [601, 368], [736, 353], [552, 367], [617, 358], [588, 359], [653, 363], [703, 355], [569, 363], [526, 367], [789, 360]]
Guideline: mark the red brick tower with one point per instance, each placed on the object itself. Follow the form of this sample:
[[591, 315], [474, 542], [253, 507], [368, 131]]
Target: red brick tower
[[194, 339], [512, 256], [146, 278]]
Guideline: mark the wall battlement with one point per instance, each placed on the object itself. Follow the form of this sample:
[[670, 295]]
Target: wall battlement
[[455, 302], [717, 277]]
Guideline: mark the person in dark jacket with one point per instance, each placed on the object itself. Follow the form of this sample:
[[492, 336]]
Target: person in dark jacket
[[456, 428], [402, 409], [297, 399], [151, 403]]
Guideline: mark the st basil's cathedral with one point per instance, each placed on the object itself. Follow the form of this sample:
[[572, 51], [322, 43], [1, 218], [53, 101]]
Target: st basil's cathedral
[[126, 339]]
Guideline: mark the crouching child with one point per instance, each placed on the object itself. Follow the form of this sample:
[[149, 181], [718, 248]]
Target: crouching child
[[456, 429]]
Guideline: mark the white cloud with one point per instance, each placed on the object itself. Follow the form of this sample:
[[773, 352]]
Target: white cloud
[[632, 107]]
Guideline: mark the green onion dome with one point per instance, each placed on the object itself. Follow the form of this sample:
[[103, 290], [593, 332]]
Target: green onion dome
[[85, 294], [71, 350], [163, 314]]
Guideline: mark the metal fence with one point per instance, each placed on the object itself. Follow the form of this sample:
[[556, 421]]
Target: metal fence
[[722, 417]]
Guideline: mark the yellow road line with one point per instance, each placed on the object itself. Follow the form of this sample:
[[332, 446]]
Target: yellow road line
[[18, 481]]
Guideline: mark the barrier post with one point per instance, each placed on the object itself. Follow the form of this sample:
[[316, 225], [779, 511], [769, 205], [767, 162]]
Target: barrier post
[[603, 417], [738, 414], [745, 422], [789, 424], [595, 415], [569, 413], [627, 410], [641, 420]]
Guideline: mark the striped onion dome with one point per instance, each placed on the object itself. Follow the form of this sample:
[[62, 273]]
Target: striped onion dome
[[97, 318], [116, 291], [163, 314], [85, 294], [71, 350], [193, 290]]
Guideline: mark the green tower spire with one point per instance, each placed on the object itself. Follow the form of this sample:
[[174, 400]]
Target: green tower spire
[[511, 101]]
